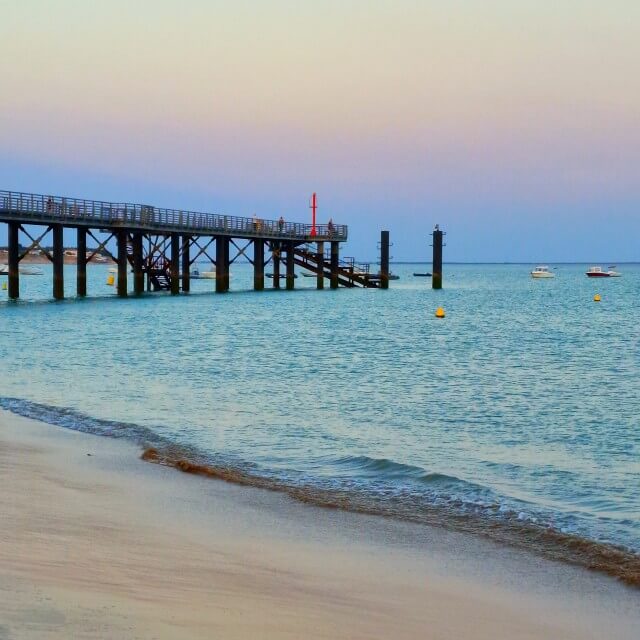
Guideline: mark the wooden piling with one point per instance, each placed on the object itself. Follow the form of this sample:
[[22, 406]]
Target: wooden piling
[[335, 263], [222, 264], [138, 273], [291, 274], [276, 265], [122, 263], [384, 259], [258, 264], [436, 281], [186, 264], [81, 262], [14, 261], [320, 261], [174, 264], [58, 261]]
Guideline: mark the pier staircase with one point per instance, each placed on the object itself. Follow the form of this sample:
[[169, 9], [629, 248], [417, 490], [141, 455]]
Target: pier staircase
[[155, 269], [350, 272]]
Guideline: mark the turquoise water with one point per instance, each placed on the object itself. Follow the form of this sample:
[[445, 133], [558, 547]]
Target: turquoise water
[[523, 405]]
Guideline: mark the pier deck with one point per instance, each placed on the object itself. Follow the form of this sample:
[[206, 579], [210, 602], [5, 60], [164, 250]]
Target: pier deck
[[160, 245]]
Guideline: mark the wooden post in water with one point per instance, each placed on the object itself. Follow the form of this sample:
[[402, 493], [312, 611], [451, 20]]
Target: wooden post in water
[[384, 259], [174, 264], [436, 281], [14, 261], [291, 274], [122, 263], [222, 264], [138, 274], [186, 264], [81, 263], [276, 265], [258, 264], [58, 262], [335, 263], [320, 261]]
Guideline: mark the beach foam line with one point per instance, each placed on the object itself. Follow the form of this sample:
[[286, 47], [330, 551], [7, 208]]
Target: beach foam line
[[552, 544], [539, 539]]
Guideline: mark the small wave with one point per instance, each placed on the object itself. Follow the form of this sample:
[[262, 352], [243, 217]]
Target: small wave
[[444, 504], [384, 468], [77, 421]]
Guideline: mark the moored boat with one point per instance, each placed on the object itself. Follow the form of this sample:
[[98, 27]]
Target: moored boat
[[196, 274], [542, 271], [599, 272], [23, 270]]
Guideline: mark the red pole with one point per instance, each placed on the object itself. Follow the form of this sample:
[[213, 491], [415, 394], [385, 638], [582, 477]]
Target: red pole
[[314, 233]]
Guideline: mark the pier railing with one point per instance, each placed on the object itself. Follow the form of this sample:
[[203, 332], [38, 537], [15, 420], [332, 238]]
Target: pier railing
[[42, 209]]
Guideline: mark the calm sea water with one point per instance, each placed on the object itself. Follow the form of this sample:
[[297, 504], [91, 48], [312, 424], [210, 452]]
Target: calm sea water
[[522, 405]]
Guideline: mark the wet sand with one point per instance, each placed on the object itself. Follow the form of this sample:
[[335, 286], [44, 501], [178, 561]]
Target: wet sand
[[106, 545]]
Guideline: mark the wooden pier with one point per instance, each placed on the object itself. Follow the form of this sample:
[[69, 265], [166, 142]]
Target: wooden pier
[[161, 245]]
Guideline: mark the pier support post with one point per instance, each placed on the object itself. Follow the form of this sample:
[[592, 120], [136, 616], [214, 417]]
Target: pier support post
[[291, 274], [436, 280], [384, 259], [58, 262], [335, 263], [222, 264], [320, 261], [258, 264], [81, 263], [14, 261], [186, 264], [174, 264], [138, 274], [122, 264], [276, 265]]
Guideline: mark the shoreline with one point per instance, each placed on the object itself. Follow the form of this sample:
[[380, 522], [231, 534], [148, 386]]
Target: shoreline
[[536, 539], [96, 543]]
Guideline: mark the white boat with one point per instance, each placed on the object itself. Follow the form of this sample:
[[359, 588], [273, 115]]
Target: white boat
[[196, 274], [542, 271], [23, 271], [599, 272]]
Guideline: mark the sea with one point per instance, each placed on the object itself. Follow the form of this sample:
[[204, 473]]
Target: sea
[[517, 416]]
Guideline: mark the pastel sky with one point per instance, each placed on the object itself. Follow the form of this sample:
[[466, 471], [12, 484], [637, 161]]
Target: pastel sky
[[515, 124]]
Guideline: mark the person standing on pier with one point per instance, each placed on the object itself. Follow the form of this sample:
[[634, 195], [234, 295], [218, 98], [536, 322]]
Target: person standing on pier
[[281, 224], [330, 226]]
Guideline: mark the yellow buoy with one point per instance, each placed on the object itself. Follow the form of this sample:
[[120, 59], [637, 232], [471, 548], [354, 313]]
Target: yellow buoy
[[597, 298], [4, 286], [110, 279], [439, 312]]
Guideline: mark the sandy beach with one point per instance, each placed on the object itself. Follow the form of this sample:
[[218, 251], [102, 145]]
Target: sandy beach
[[96, 543]]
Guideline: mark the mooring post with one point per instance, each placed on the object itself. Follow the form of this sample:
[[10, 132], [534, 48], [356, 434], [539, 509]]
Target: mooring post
[[320, 261], [436, 281], [276, 265], [58, 262], [174, 264], [222, 264], [81, 263], [258, 264], [335, 263], [384, 259], [122, 263], [138, 274], [291, 274], [186, 263], [14, 261]]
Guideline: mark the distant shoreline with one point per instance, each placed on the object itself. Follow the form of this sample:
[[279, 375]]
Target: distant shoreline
[[35, 258]]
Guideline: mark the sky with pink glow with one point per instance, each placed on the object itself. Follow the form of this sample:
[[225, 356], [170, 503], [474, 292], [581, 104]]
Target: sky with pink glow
[[514, 124]]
